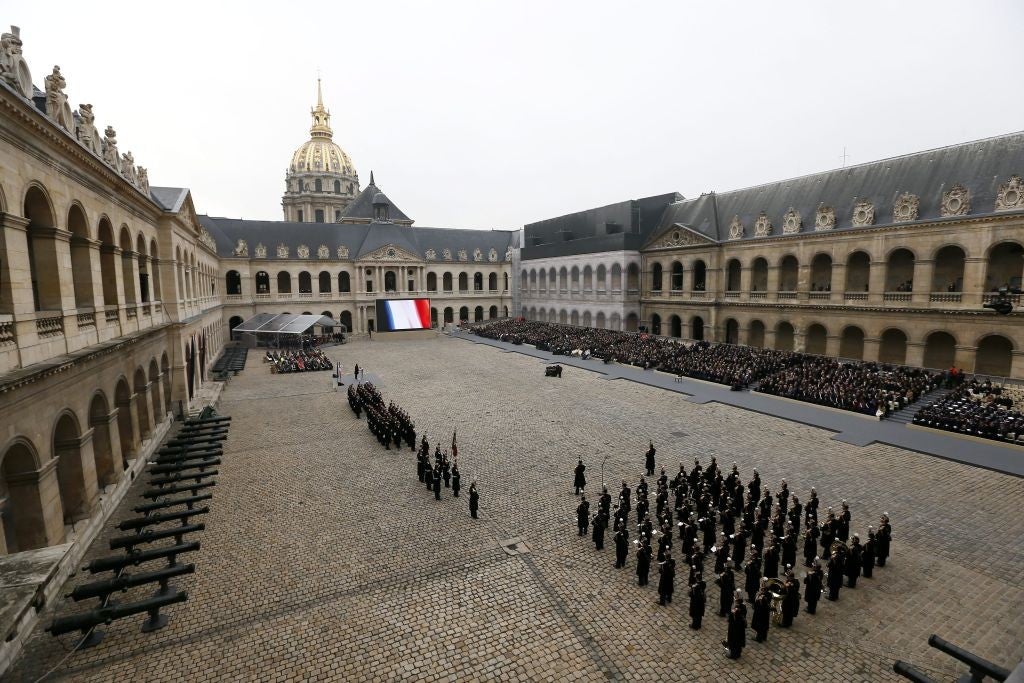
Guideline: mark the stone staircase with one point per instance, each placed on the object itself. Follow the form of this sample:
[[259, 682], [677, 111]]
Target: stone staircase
[[906, 414]]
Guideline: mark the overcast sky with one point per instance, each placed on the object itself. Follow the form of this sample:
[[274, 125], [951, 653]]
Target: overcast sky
[[491, 115]]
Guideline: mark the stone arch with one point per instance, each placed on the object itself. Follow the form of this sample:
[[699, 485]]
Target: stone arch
[[344, 282], [821, 273], [574, 278], [324, 282], [899, 270], [615, 322], [142, 257], [235, 321], [655, 324], [789, 273], [432, 282], [44, 264], [306, 282], [1004, 265], [449, 314], [816, 339], [948, 269], [108, 264], [858, 271], [785, 336], [24, 518], [563, 279], [563, 316], [994, 356], [464, 314], [632, 322], [599, 321], [939, 350], [656, 277], [732, 331], [75, 476], [81, 262], [602, 277], [587, 319], [165, 373], [492, 282], [676, 276], [128, 264], [759, 275], [697, 328], [588, 278], [142, 404], [463, 282], [892, 347], [262, 282], [552, 282], [233, 283], [574, 317], [492, 312], [533, 279], [533, 313], [733, 275], [478, 282], [851, 343], [700, 275], [542, 315], [478, 314], [345, 318], [616, 284], [284, 282], [755, 334], [107, 471], [675, 326], [633, 277]]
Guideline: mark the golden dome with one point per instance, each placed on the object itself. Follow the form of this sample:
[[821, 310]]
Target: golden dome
[[319, 153]]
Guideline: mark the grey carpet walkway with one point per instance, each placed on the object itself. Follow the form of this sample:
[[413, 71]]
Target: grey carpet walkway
[[852, 428]]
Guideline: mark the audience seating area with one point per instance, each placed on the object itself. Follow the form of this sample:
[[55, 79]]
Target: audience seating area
[[978, 408]]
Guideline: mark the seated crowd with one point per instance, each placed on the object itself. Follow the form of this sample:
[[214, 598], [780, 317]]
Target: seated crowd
[[975, 408], [306, 360]]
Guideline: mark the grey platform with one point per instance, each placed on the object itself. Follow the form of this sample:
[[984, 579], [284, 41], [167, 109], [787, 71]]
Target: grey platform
[[852, 428]]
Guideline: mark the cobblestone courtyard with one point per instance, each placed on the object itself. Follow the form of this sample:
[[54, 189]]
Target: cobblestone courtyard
[[325, 559]]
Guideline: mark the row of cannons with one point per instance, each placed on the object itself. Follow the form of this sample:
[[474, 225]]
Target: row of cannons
[[231, 362], [182, 475]]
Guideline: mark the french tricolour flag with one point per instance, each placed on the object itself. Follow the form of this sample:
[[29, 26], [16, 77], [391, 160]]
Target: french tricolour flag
[[409, 314]]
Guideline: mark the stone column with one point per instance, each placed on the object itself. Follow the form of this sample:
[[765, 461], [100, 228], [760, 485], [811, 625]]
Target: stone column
[[129, 451], [838, 283], [876, 282], [799, 339], [915, 353], [773, 283], [832, 346], [923, 271], [78, 474], [142, 401], [769, 337], [1017, 364], [15, 271], [964, 357], [871, 347], [803, 281], [746, 277], [106, 438], [974, 282], [37, 498]]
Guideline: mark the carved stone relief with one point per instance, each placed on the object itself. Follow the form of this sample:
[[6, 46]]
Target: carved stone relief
[[678, 238], [282, 251], [492, 255], [128, 168], [508, 254], [241, 248], [13, 67], [143, 180], [863, 214], [792, 222], [462, 255], [1010, 195], [825, 218], [85, 130], [302, 251], [736, 228], [956, 201], [110, 154], [446, 254], [261, 251], [478, 255], [57, 107], [905, 208], [430, 255], [323, 252], [763, 225]]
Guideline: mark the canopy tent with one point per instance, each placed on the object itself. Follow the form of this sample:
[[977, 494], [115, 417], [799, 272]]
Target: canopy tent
[[277, 324]]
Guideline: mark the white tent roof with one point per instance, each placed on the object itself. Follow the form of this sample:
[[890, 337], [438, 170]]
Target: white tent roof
[[285, 323]]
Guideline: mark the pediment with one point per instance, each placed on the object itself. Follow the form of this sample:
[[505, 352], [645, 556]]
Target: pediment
[[678, 236], [392, 252]]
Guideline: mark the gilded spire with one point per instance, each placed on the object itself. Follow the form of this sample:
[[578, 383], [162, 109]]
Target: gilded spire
[[321, 127]]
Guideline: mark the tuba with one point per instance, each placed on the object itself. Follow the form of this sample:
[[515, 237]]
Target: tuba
[[840, 548], [777, 590]]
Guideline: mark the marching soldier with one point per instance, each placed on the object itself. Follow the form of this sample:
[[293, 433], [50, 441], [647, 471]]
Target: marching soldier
[[643, 562], [583, 516], [810, 544], [474, 500], [812, 507], [698, 601], [771, 560], [580, 480], [625, 500], [721, 550], [760, 618], [604, 503], [666, 580], [428, 477], [813, 581], [446, 470]]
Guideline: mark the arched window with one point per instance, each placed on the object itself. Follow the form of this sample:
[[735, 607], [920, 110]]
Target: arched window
[[1005, 266], [616, 281], [677, 276], [318, 186], [656, 277], [262, 282], [478, 282], [446, 283], [431, 282], [463, 284], [233, 282], [732, 331], [492, 312], [337, 187], [789, 269], [325, 282], [655, 323], [478, 314], [821, 273], [390, 281], [632, 278], [732, 276], [284, 282], [42, 252], [697, 328], [699, 280], [344, 282], [948, 275], [506, 283], [899, 271], [815, 339], [305, 283], [464, 313], [492, 282]]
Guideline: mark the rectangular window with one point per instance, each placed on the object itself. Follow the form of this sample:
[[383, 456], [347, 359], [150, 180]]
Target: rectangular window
[[300, 215], [319, 215], [369, 285], [337, 216]]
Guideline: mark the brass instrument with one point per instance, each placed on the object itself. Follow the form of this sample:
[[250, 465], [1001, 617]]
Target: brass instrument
[[777, 589]]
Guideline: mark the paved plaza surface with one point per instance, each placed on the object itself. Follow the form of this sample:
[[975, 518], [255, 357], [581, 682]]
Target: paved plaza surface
[[325, 559]]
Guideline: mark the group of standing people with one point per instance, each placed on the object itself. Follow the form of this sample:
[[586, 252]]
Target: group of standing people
[[714, 517], [445, 470]]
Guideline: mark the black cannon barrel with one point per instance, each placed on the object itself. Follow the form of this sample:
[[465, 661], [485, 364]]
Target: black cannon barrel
[[175, 478], [142, 522], [207, 420], [209, 430], [171, 443], [205, 427], [184, 467], [186, 450], [185, 457], [101, 589], [153, 494], [105, 564], [976, 663], [83, 622], [172, 502], [151, 535], [910, 673]]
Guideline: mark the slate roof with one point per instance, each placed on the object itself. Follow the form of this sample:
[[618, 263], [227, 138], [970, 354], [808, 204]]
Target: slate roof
[[362, 205], [981, 166], [169, 198], [360, 238]]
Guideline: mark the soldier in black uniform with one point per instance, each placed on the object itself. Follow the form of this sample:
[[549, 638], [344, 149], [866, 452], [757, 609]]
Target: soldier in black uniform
[[760, 618], [753, 574], [474, 499], [843, 524], [736, 639], [698, 601], [446, 471], [600, 523], [835, 576], [621, 546], [883, 538], [583, 516], [727, 584], [643, 562], [666, 580], [853, 562], [867, 558], [428, 477], [604, 503], [625, 501], [812, 586], [437, 482], [810, 544], [456, 480], [419, 465], [650, 460], [790, 599], [580, 480]]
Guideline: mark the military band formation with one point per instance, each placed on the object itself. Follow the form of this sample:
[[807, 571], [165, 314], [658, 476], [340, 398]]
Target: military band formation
[[715, 519]]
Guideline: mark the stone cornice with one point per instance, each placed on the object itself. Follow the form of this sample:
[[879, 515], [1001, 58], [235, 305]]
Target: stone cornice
[[902, 310]]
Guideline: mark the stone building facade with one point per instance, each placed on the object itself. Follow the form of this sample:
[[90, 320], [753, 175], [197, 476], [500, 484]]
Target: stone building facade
[[890, 261], [109, 310]]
